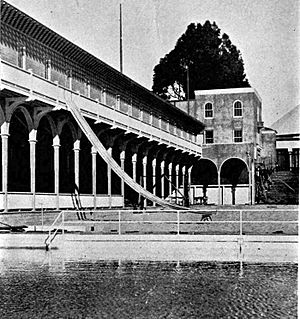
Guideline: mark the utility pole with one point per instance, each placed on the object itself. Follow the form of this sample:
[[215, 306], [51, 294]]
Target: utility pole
[[188, 89], [186, 66], [121, 40]]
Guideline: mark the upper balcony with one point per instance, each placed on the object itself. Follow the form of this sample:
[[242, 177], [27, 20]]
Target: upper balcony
[[41, 64], [106, 108]]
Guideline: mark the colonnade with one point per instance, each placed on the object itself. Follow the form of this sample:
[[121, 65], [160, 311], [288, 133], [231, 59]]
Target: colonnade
[[159, 169]]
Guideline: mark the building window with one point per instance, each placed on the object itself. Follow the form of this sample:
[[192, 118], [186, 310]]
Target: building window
[[237, 109], [208, 110], [238, 136], [209, 137]]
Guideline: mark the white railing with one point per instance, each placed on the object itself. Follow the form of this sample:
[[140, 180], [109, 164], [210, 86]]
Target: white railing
[[205, 217], [36, 87]]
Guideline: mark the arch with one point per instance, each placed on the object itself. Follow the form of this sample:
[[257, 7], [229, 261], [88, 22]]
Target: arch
[[50, 120], [67, 122], [205, 172], [45, 155], [19, 152], [208, 110], [234, 171], [2, 116], [237, 108], [85, 166], [66, 159], [20, 108]]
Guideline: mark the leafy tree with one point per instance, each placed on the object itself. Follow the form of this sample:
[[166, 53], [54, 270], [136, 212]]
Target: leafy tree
[[201, 55]]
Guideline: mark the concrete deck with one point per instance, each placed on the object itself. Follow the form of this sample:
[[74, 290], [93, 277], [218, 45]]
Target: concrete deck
[[226, 248]]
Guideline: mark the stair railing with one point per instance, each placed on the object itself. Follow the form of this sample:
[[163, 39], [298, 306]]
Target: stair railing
[[53, 232], [287, 185]]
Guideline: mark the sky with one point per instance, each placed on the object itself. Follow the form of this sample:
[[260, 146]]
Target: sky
[[265, 31]]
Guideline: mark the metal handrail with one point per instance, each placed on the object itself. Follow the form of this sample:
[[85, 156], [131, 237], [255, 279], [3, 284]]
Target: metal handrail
[[118, 220], [51, 236]]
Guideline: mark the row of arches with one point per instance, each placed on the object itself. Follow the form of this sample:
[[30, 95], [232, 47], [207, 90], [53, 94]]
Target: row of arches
[[232, 171], [46, 152]]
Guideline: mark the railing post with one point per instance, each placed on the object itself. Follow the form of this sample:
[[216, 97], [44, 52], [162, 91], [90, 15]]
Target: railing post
[[42, 211], [119, 222], [178, 222], [63, 223], [241, 222]]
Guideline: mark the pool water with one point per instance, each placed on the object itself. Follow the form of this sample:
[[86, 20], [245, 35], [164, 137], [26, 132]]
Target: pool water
[[30, 288]]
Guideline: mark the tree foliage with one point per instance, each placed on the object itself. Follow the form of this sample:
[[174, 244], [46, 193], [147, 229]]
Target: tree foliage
[[201, 55]]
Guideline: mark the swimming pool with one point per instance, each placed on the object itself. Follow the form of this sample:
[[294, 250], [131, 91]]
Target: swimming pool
[[39, 284]]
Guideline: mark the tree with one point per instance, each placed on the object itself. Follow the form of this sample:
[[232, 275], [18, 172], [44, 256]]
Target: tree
[[208, 60]]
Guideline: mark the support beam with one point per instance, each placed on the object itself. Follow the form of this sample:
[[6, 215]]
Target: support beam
[[32, 142], [122, 159], [177, 180], [94, 175], [170, 167], [56, 146], [220, 196], [4, 143], [134, 160], [109, 151], [190, 183], [76, 150], [145, 160], [154, 178], [162, 178]]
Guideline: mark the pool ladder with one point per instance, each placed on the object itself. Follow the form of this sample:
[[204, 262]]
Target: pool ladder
[[52, 232]]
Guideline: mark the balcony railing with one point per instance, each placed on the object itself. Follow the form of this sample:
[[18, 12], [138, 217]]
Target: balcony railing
[[105, 109]]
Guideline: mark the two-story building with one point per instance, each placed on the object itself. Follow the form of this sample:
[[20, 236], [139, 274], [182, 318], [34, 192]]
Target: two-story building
[[48, 160], [234, 140]]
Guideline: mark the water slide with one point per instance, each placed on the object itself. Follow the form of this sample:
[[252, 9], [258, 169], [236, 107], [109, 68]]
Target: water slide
[[87, 130]]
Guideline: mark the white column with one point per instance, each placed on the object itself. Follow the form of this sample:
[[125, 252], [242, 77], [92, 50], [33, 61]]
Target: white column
[[109, 151], [94, 175], [118, 102], [253, 182], [70, 79], [219, 189], [48, 70], [290, 159], [190, 183], [23, 57], [76, 150], [145, 176], [154, 178], [4, 143], [56, 146], [134, 159], [122, 159], [103, 100], [183, 183], [32, 142], [162, 178], [177, 180], [88, 88], [170, 178]]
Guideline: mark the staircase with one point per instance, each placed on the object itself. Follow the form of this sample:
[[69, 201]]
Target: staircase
[[284, 188]]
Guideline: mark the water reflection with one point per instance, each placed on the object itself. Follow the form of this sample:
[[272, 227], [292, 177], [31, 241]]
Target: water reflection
[[40, 285]]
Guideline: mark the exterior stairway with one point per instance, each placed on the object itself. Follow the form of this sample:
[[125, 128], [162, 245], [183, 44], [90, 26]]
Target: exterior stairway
[[284, 188]]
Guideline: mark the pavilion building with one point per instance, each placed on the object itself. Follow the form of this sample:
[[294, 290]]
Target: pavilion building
[[48, 161]]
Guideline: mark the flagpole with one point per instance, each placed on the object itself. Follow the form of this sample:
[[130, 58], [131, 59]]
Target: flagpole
[[121, 40]]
